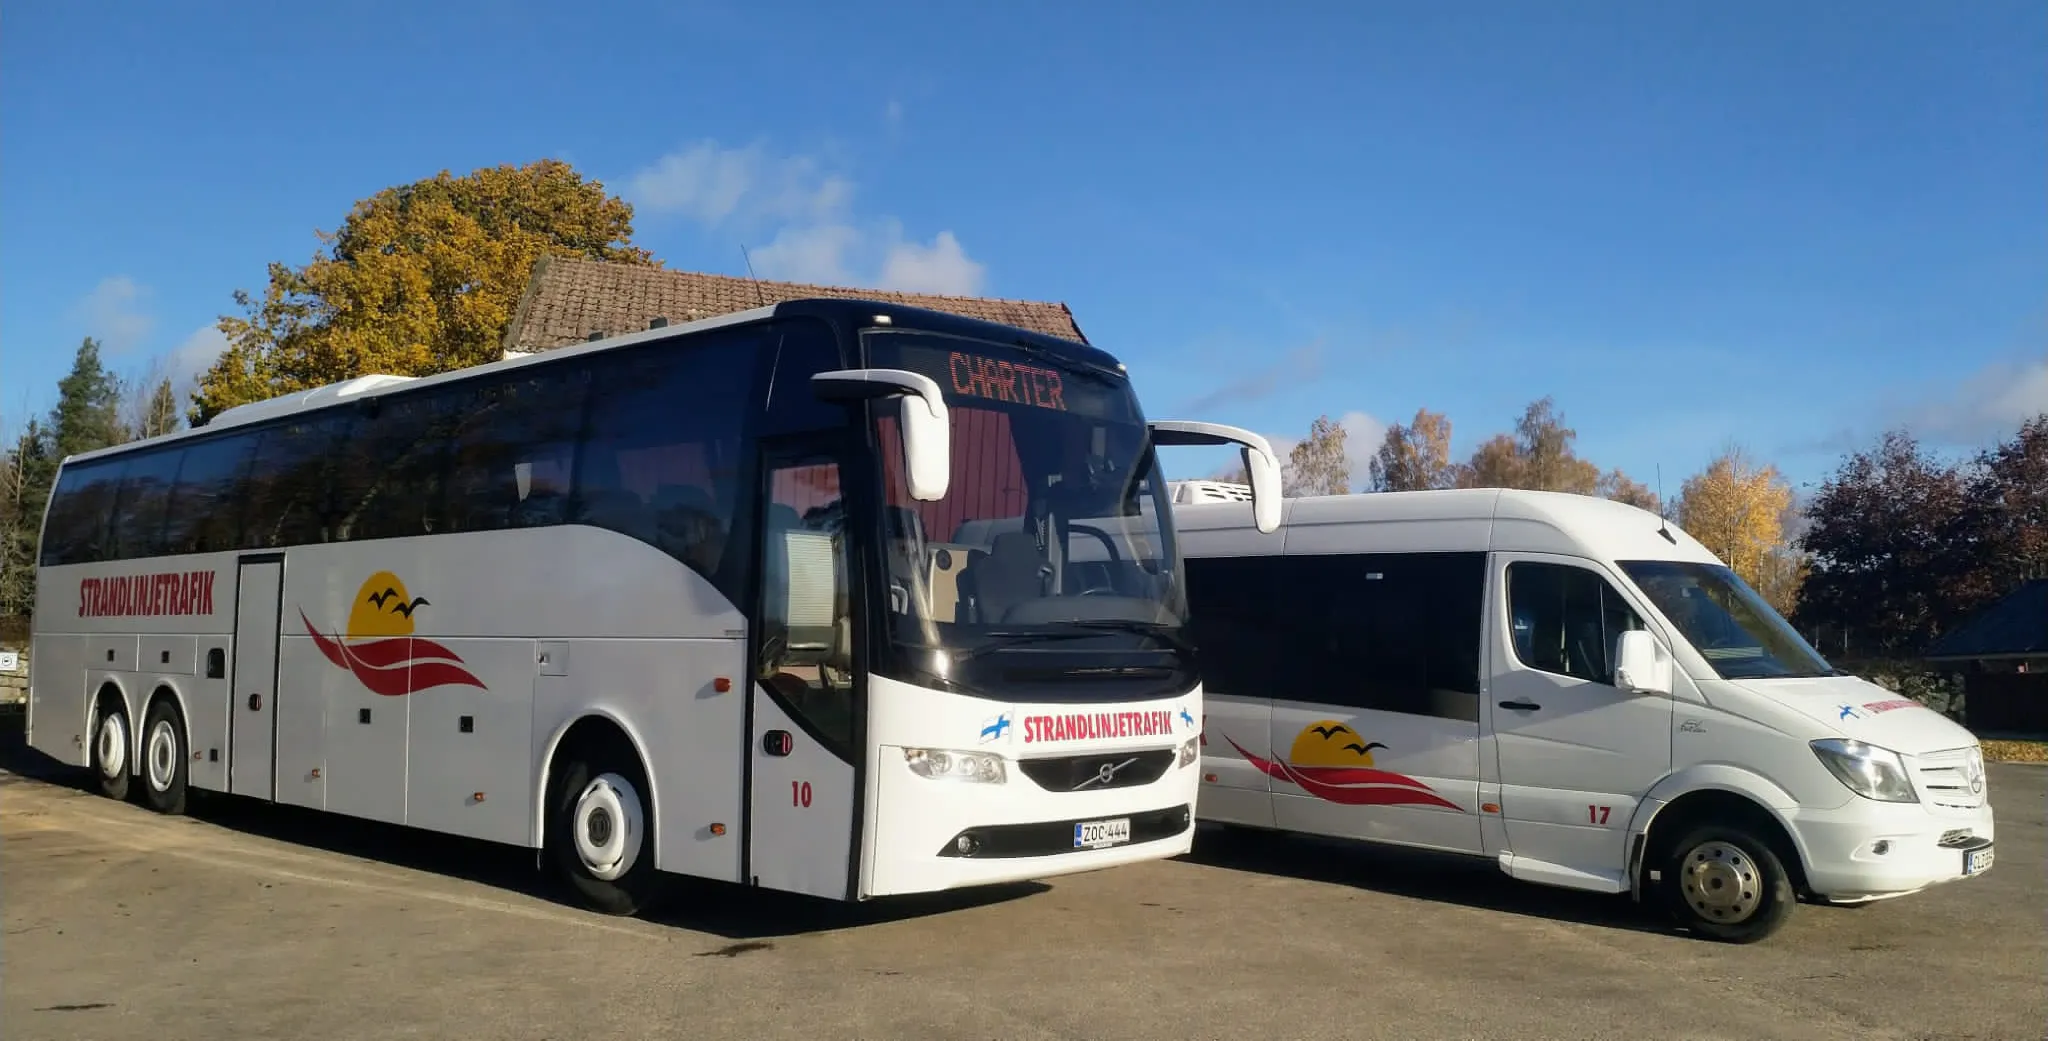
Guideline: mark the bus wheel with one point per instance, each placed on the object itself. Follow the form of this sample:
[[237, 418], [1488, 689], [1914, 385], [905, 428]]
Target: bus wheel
[[600, 834], [110, 753], [1727, 884], [163, 759]]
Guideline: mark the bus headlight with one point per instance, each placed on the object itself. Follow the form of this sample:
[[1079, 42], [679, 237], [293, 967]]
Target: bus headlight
[[1869, 771], [942, 764], [1190, 750]]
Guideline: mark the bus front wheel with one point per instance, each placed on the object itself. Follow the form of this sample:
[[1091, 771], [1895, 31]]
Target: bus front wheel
[[1727, 884], [601, 831]]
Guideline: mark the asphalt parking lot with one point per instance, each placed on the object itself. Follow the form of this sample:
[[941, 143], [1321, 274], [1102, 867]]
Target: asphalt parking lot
[[242, 921]]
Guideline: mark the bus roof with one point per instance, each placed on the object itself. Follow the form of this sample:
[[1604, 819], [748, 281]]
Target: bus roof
[[847, 313], [1450, 519]]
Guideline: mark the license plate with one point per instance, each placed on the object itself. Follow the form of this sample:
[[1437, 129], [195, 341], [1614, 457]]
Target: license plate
[[1977, 861], [1097, 834]]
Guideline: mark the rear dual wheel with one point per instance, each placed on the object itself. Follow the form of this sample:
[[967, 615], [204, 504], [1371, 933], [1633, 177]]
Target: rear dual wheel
[[164, 759]]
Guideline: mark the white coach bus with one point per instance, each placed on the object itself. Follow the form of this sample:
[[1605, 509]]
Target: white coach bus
[[1570, 687], [711, 600]]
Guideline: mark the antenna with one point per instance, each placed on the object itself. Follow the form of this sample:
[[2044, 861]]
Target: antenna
[[759, 299], [1663, 525]]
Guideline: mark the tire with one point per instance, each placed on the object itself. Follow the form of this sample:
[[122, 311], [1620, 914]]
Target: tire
[[600, 832], [164, 759], [1727, 884], [111, 744]]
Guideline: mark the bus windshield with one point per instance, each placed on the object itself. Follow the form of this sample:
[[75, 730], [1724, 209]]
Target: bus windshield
[[1732, 626], [1054, 537]]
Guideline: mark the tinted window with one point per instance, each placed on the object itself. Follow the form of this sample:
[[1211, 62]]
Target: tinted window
[[289, 502], [514, 449], [660, 459], [83, 500], [387, 476], [143, 502], [802, 347], [645, 441], [1566, 620], [206, 504], [1390, 632]]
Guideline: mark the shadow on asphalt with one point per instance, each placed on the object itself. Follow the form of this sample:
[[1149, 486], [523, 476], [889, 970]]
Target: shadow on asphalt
[[1416, 874], [731, 911]]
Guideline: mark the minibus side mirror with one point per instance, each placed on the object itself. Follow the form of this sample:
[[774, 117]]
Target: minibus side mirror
[[922, 418], [1640, 666], [1259, 461]]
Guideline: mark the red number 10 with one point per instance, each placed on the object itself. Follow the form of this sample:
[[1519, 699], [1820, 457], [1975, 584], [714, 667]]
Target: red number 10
[[800, 793], [1597, 814]]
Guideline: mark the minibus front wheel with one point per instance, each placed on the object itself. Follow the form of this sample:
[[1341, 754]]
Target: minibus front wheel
[[1726, 883]]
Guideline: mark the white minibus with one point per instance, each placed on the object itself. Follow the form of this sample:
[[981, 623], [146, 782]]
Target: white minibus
[[1570, 686]]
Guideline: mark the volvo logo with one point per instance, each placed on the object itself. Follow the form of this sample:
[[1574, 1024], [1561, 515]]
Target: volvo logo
[[1105, 774]]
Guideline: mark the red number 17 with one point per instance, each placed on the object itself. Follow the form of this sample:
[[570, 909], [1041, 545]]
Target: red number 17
[[1597, 814]]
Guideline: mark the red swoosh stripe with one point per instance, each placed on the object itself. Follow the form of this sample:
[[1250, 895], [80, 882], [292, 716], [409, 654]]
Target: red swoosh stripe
[[1360, 786], [396, 666]]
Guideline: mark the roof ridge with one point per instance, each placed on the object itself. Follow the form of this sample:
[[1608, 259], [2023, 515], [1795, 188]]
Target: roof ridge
[[962, 297]]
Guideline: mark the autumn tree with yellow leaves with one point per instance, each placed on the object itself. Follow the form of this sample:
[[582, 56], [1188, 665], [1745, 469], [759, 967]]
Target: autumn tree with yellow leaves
[[1736, 507], [421, 278]]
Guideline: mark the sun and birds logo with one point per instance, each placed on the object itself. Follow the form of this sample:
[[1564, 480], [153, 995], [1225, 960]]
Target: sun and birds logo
[[379, 647]]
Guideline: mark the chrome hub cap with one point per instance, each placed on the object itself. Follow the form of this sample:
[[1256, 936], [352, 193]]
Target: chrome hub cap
[[1721, 883]]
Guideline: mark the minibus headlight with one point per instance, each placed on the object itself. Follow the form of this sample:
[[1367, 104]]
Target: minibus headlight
[[1190, 750], [1869, 771], [941, 764]]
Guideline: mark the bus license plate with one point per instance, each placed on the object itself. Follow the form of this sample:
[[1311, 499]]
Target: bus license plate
[[1097, 834], [1977, 861]]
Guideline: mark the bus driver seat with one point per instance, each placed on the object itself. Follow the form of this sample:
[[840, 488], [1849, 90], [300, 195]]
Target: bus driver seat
[[1013, 572]]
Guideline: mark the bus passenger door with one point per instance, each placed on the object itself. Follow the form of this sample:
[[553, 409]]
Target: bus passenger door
[[803, 781], [252, 737]]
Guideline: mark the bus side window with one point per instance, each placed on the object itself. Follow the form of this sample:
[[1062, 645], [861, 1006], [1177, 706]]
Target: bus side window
[[1566, 620], [208, 497]]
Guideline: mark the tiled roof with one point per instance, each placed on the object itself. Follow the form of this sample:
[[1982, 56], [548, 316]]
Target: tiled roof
[[569, 298], [2015, 625]]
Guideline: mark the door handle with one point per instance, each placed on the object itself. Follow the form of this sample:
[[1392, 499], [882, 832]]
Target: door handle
[[1525, 706]]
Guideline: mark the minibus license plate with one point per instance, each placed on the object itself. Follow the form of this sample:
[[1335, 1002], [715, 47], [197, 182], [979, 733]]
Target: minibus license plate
[[1977, 861], [1097, 834]]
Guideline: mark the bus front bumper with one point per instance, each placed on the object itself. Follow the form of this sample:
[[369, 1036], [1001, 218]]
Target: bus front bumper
[[932, 835]]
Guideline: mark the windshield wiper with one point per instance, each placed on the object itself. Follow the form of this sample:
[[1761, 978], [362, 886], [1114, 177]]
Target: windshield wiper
[[1001, 639], [1164, 634]]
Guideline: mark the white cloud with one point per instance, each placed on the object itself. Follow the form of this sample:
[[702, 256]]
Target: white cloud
[[942, 267], [816, 236], [713, 184], [194, 355], [1362, 437], [112, 314], [1989, 404]]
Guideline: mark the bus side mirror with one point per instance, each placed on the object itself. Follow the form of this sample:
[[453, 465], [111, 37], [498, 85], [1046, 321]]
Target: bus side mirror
[[1640, 666], [1259, 461], [927, 431]]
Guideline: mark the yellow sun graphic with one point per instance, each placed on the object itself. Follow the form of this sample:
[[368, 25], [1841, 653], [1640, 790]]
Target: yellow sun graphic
[[382, 608], [1327, 742]]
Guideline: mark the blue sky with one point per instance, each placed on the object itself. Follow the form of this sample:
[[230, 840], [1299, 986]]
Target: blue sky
[[1786, 225]]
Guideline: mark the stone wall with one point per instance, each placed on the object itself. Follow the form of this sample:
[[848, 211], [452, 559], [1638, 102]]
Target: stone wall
[[14, 684]]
